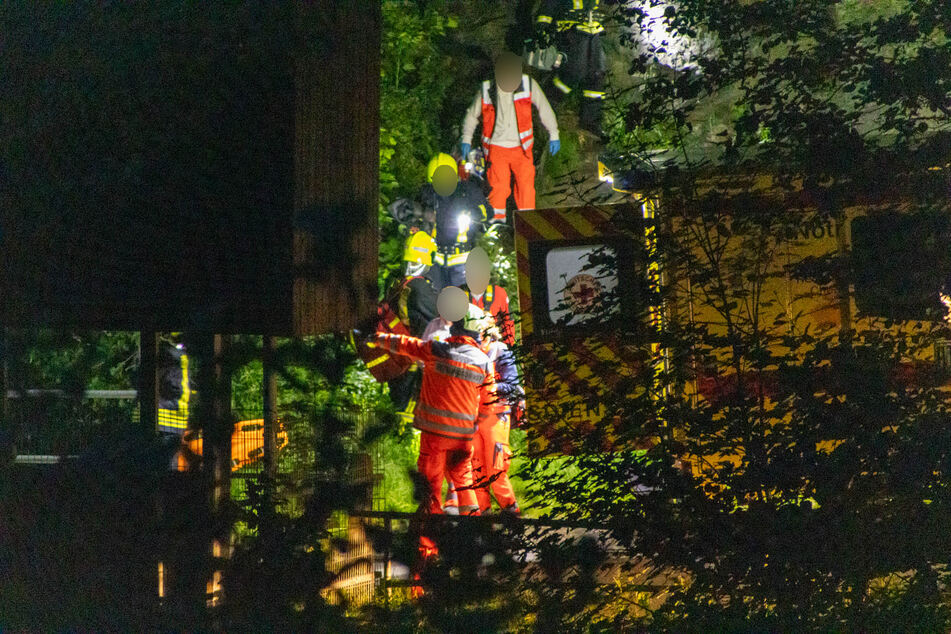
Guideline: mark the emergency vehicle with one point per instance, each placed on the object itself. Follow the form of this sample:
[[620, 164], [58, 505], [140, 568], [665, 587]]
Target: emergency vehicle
[[888, 248]]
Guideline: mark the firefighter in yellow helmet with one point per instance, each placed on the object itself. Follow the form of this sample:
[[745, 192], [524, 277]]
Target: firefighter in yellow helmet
[[417, 294], [409, 308], [461, 210], [405, 310]]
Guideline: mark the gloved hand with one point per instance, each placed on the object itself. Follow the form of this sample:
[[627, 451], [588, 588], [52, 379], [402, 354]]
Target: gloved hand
[[554, 146], [465, 147]]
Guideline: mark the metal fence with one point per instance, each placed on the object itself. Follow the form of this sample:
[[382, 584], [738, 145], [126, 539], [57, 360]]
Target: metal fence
[[354, 565], [35, 422]]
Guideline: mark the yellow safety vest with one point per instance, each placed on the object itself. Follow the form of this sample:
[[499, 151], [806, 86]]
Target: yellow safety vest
[[178, 418]]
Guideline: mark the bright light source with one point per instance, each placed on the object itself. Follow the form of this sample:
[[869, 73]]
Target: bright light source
[[656, 37], [465, 221]]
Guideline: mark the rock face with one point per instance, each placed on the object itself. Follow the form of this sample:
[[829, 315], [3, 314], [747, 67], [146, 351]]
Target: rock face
[[653, 33]]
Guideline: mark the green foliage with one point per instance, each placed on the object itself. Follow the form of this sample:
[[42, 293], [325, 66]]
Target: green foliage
[[791, 480], [71, 362], [399, 461], [415, 78], [74, 360]]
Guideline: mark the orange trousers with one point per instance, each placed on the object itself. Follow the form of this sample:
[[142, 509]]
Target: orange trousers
[[506, 163], [440, 456], [490, 463]]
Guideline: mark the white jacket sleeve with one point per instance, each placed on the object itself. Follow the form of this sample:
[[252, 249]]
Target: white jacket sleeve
[[545, 113], [473, 114]]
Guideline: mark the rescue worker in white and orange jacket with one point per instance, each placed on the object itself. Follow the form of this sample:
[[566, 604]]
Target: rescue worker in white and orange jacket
[[505, 109]]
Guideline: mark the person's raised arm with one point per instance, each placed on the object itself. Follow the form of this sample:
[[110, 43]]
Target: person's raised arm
[[411, 347], [547, 116]]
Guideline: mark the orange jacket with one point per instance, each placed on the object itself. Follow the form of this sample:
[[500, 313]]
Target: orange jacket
[[457, 378]]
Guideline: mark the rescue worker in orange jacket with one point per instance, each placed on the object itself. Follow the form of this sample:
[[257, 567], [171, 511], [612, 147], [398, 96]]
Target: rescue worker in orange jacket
[[492, 453], [457, 378], [505, 108]]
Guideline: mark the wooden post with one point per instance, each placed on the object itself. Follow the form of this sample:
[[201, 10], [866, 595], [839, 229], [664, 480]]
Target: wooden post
[[269, 363], [220, 425], [213, 378], [7, 443], [270, 405], [217, 459], [148, 380]]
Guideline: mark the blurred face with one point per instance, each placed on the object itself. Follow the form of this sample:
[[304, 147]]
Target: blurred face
[[508, 71], [452, 303], [444, 180], [478, 268]]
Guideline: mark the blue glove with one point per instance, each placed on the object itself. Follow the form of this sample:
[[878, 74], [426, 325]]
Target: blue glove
[[554, 146], [465, 147]]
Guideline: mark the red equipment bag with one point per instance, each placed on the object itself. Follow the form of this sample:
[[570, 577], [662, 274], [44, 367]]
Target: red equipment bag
[[381, 364]]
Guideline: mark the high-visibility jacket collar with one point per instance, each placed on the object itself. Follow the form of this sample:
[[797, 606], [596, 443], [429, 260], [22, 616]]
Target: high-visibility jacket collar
[[487, 301], [523, 113]]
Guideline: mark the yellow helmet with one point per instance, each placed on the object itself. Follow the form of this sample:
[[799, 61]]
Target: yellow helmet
[[420, 248], [438, 161]]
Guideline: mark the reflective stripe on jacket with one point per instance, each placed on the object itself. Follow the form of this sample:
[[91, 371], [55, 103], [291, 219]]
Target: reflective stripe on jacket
[[523, 114], [174, 391], [457, 377], [584, 15]]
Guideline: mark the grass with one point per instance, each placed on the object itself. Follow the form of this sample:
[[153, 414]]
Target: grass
[[399, 460]]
